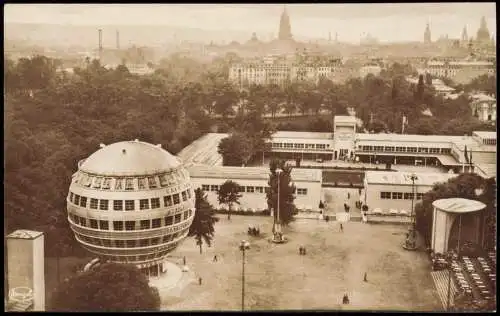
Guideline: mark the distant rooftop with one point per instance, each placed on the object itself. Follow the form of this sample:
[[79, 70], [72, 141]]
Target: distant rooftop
[[301, 135], [204, 150], [250, 173], [404, 178], [406, 138]]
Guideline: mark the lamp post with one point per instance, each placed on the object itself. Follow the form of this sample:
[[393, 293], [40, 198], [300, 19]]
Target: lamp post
[[244, 245], [413, 177], [277, 217]]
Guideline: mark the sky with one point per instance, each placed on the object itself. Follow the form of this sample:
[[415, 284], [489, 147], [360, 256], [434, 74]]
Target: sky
[[385, 21]]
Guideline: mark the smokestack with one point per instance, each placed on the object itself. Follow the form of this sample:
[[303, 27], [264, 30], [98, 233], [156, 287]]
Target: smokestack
[[100, 43], [117, 39]]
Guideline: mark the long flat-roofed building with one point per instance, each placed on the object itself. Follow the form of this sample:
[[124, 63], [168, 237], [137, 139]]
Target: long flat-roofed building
[[388, 191], [254, 185]]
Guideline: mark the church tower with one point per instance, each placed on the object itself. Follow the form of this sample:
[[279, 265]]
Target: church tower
[[427, 34], [465, 37], [285, 31], [483, 34]]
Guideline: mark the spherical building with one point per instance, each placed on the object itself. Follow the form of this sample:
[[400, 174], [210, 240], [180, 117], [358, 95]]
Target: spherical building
[[131, 202]]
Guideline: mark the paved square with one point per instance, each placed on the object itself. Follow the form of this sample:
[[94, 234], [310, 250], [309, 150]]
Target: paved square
[[278, 278]]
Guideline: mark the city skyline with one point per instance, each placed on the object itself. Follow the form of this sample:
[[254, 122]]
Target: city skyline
[[311, 21]]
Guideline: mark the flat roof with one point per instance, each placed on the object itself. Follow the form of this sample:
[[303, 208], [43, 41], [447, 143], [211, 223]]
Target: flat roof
[[24, 234], [344, 119], [404, 178], [407, 137], [458, 205], [204, 150], [302, 135], [485, 135], [250, 173]]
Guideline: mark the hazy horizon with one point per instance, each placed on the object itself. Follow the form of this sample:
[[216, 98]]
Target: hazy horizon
[[387, 22]]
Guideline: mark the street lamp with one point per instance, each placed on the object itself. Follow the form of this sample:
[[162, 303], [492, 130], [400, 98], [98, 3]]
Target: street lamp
[[410, 242], [277, 217], [244, 245], [413, 177]]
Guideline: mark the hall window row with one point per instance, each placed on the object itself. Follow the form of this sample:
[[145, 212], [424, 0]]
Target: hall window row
[[129, 243], [241, 189], [131, 184], [300, 146], [400, 196], [131, 225], [129, 205], [125, 259], [399, 149]]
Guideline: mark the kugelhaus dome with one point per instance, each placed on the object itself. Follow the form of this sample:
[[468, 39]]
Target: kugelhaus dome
[[131, 202]]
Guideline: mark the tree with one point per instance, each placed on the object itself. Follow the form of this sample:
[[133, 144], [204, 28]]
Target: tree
[[462, 186], [109, 287], [235, 150], [228, 194], [202, 228], [419, 93], [428, 79], [286, 192]]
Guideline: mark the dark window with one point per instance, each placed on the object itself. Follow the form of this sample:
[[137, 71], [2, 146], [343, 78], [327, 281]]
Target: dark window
[[129, 205], [205, 187], [93, 224], [83, 221], [117, 225], [385, 195], [155, 223], [185, 215], [93, 203], [103, 205], [155, 202], [155, 241], [145, 224], [184, 195], [169, 220], [118, 205], [144, 242], [130, 243], [77, 199], [176, 198], [167, 200], [144, 204], [106, 243], [104, 225], [130, 225], [120, 243], [83, 201], [177, 218], [167, 238]]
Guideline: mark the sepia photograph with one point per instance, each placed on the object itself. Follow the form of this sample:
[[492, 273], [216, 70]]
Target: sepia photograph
[[250, 157]]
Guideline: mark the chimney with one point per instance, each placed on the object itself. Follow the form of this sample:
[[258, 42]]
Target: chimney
[[100, 43]]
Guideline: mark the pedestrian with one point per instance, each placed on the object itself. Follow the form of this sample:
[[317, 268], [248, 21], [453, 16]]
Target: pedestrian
[[344, 299], [341, 227], [199, 280], [364, 278], [304, 251], [348, 195], [215, 258], [347, 299], [300, 250], [184, 260]]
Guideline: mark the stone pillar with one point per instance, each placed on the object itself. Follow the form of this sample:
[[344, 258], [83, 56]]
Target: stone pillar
[[26, 265]]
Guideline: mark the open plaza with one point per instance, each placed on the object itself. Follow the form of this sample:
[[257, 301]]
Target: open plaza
[[278, 278]]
